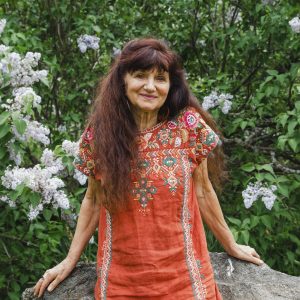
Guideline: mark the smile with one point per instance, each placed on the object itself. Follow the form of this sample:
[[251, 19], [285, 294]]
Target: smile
[[148, 96]]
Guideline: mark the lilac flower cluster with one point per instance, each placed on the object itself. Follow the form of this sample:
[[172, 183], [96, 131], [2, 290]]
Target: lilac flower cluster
[[24, 97], [87, 41], [72, 149], [214, 99], [256, 190], [39, 179], [20, 70], [295, 24], [34, 130], [2, 25], [268, 2]]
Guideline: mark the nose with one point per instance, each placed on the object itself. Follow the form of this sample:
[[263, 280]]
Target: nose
[[149, 85]]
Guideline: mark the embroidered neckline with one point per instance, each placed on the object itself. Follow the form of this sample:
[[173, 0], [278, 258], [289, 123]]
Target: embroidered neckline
[[152, 128]]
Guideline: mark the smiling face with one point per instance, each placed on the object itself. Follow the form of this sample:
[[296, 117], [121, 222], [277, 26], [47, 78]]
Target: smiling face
[[147, 91]]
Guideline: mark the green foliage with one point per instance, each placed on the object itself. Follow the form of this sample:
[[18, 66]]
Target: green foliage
[[256, 59]]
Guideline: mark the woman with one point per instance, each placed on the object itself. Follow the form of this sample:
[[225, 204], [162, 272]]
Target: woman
[[145, 150]]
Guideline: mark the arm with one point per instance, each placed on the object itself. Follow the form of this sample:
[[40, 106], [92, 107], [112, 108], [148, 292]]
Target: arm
[[212, 215], [87, 222]]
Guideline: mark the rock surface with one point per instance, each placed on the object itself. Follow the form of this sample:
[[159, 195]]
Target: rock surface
[[236, 279]]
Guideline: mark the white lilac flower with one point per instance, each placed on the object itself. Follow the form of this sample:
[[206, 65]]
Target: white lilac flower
[[53, 164], [61, 199], [116, 52], [213, 99], [39, 180], [34, 130], [268, 2], [3, 49], [88, 41], [20, 71], [62, 128], [256, 190], [23, 97], [230, 13], [34, 211], [7, 200], [2, 25], [80, 177], [295, 24], [210, 101], [71, 148], [16, 157], [92, 240]]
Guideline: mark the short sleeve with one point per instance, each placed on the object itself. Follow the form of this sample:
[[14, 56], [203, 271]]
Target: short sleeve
[[202, 137], [84, 161]]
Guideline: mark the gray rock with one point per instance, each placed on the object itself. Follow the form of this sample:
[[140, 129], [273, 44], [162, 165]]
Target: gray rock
[[236, 280]]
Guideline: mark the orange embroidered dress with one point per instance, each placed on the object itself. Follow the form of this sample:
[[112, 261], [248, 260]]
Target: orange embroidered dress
[[157, 249]]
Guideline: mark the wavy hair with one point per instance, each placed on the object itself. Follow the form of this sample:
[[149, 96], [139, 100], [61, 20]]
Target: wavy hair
[[114, 125]]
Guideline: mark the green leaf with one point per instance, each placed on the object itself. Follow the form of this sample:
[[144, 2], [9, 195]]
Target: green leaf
[[47, 213], [248, 167], [4, 116], [20, 125], [267, 221], [234, 221], [4, 130], [272, 72], [245, 234], [293, 144]]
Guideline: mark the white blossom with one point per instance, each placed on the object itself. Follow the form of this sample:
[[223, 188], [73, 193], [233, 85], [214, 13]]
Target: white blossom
[[61, 199], [34, 130], [20, 70], [92, 240], [268, 2], [38, 179], [295, 24], [23, 97], [3, 49], [233, 12], [34, 211], [80, 177], [16, 157], [62, 128], [88, 41], [7, 200], [256, 190], [53, 164], [213, 99], [71, 148], [2, 25]]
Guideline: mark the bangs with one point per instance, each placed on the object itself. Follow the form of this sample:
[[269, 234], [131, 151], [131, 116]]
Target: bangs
[[147, 59]]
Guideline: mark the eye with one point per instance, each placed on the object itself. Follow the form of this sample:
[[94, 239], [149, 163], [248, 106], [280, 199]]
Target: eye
[[161, 78], [140, 75]]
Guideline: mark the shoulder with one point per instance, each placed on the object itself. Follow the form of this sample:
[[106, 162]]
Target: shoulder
[[188, 118]]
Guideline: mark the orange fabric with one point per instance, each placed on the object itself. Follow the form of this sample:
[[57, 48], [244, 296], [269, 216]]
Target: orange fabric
[[157, 249]]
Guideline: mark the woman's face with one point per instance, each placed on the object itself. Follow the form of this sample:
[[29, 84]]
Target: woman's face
[[147, 90]]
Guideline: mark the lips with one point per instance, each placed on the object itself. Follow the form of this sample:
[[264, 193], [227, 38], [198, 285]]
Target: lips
[[148, 96]]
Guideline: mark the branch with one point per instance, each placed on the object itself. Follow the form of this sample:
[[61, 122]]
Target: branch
[[284, 169]]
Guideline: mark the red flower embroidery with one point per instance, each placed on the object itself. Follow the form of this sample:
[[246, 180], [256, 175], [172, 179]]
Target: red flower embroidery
[[190, 119]]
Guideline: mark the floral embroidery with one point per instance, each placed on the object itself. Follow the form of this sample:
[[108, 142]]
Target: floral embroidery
[[164, 136], [200, 267], [199, 288], [142, 191], [172, 124], [190, 119], [107, 251], [84, 162]]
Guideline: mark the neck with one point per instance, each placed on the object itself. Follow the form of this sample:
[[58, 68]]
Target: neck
[[145, 120]]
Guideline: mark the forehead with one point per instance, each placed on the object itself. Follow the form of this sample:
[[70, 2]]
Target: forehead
[[150, 70]]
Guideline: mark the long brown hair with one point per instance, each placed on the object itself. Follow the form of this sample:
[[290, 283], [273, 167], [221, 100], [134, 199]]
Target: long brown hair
[[114, 126]]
